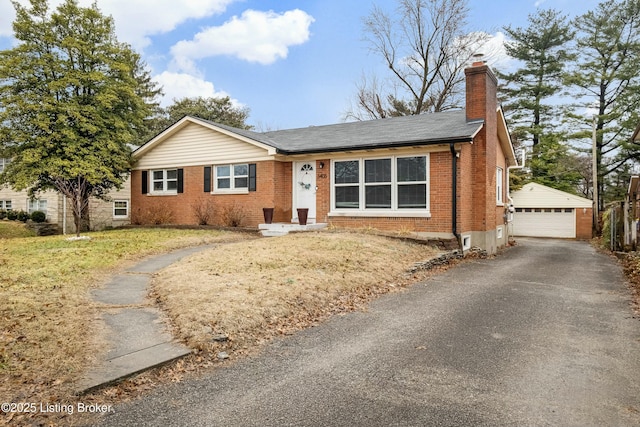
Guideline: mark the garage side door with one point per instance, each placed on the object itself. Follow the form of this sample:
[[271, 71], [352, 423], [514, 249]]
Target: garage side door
[[532, 222]]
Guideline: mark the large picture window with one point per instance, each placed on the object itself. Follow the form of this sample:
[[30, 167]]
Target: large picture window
[[381, 184], [347, 184]]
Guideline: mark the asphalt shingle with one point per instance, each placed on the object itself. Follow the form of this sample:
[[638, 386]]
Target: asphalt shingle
[[424, 129]]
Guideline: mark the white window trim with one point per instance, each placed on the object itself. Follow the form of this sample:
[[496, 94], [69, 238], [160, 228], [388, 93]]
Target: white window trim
[[499, 186], [3, 164], [466, 242], [394, 211], [232, 183], [165, 181], [114, 209], [39, 207]]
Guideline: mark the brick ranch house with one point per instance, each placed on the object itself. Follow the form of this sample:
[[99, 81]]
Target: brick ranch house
[[441, 175]]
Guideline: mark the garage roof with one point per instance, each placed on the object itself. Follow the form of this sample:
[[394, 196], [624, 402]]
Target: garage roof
[[534, 195]]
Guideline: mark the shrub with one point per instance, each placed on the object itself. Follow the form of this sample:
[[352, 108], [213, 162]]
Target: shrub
[[233, 215], [152, 215], [23, 216], [3, 214], [12, 215], [204, 210], [38, 216]]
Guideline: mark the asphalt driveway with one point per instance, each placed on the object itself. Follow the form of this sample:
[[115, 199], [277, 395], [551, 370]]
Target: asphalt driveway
[[542, 335]]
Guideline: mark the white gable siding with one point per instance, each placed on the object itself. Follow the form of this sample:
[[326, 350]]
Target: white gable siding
[[534, 195], [197, 145]]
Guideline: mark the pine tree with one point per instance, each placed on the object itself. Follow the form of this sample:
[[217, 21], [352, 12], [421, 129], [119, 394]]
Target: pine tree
[[607, 78], [541, 48]]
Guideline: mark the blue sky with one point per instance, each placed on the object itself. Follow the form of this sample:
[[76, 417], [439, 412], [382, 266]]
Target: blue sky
[[292, 63]]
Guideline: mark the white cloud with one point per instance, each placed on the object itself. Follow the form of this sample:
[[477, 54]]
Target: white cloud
[[262, 37], [496, 53], [8, 12], [180, 85], [135, 19], [138, 19]]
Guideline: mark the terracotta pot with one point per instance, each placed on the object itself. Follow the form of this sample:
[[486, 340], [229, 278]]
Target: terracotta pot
[[268, 215], [302, 215]]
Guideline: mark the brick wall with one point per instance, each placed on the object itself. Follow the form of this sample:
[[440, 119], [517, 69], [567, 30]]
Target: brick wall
[[181, 208], [439, 201], [481, 103], [323, 195]]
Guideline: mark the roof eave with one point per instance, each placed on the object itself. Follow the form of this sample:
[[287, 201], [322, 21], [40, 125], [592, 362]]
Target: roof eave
[[382, 146], [505, 139]]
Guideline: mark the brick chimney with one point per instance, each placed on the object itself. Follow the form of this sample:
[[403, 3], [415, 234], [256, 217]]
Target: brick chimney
[[481, 93], [482, 105]]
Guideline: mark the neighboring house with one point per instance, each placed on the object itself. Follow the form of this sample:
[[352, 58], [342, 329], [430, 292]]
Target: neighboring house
[[542, 211], [389, 174], [103, 214]]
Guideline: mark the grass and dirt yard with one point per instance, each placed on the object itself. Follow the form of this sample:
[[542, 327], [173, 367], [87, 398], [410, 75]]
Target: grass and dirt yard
[[246, 290]]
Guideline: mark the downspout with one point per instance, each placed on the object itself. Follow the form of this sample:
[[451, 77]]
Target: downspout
[[454, 195], [511, 208]]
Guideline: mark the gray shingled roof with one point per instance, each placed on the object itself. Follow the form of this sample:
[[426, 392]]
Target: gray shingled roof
[[425, 129]]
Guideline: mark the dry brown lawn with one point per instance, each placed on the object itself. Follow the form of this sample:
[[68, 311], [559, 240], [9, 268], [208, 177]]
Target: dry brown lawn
[[247, 289], [251, 291], [47, 320]]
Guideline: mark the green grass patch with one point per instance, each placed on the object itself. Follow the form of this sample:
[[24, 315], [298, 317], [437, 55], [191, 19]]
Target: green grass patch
[[13, 229]]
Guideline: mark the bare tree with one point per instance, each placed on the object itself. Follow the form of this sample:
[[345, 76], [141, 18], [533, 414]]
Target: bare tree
[[425, 47]]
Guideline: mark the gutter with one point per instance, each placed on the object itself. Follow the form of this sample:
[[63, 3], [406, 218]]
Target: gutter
[[454, 194], [509, 199], [402, 144], [520, 166]]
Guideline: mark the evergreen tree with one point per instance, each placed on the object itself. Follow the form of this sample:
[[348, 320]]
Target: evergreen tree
[[553, 165], [72, 100], [541, 48], [607, 77]]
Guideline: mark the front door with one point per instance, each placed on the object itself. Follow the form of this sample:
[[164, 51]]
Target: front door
[[304, 189]]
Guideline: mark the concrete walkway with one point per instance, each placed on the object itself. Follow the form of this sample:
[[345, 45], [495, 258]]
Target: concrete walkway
[[137, 338]]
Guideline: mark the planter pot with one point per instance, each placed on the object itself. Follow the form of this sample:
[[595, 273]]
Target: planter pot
[[268, 215], [302, 216]]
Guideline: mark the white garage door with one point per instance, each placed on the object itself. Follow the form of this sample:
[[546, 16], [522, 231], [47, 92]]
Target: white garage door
[[558, 222]]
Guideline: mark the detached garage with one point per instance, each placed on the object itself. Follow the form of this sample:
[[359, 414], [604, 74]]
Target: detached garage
[[541, 211]]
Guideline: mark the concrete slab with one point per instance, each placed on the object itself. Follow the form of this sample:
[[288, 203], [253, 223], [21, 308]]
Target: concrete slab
[[133, 330], [286, 226], [137, 337], [127, 365], [273, 233], [123, 289], [138, 343]]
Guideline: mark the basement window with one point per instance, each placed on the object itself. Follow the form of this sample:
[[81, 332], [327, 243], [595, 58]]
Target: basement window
[[466, 243]]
